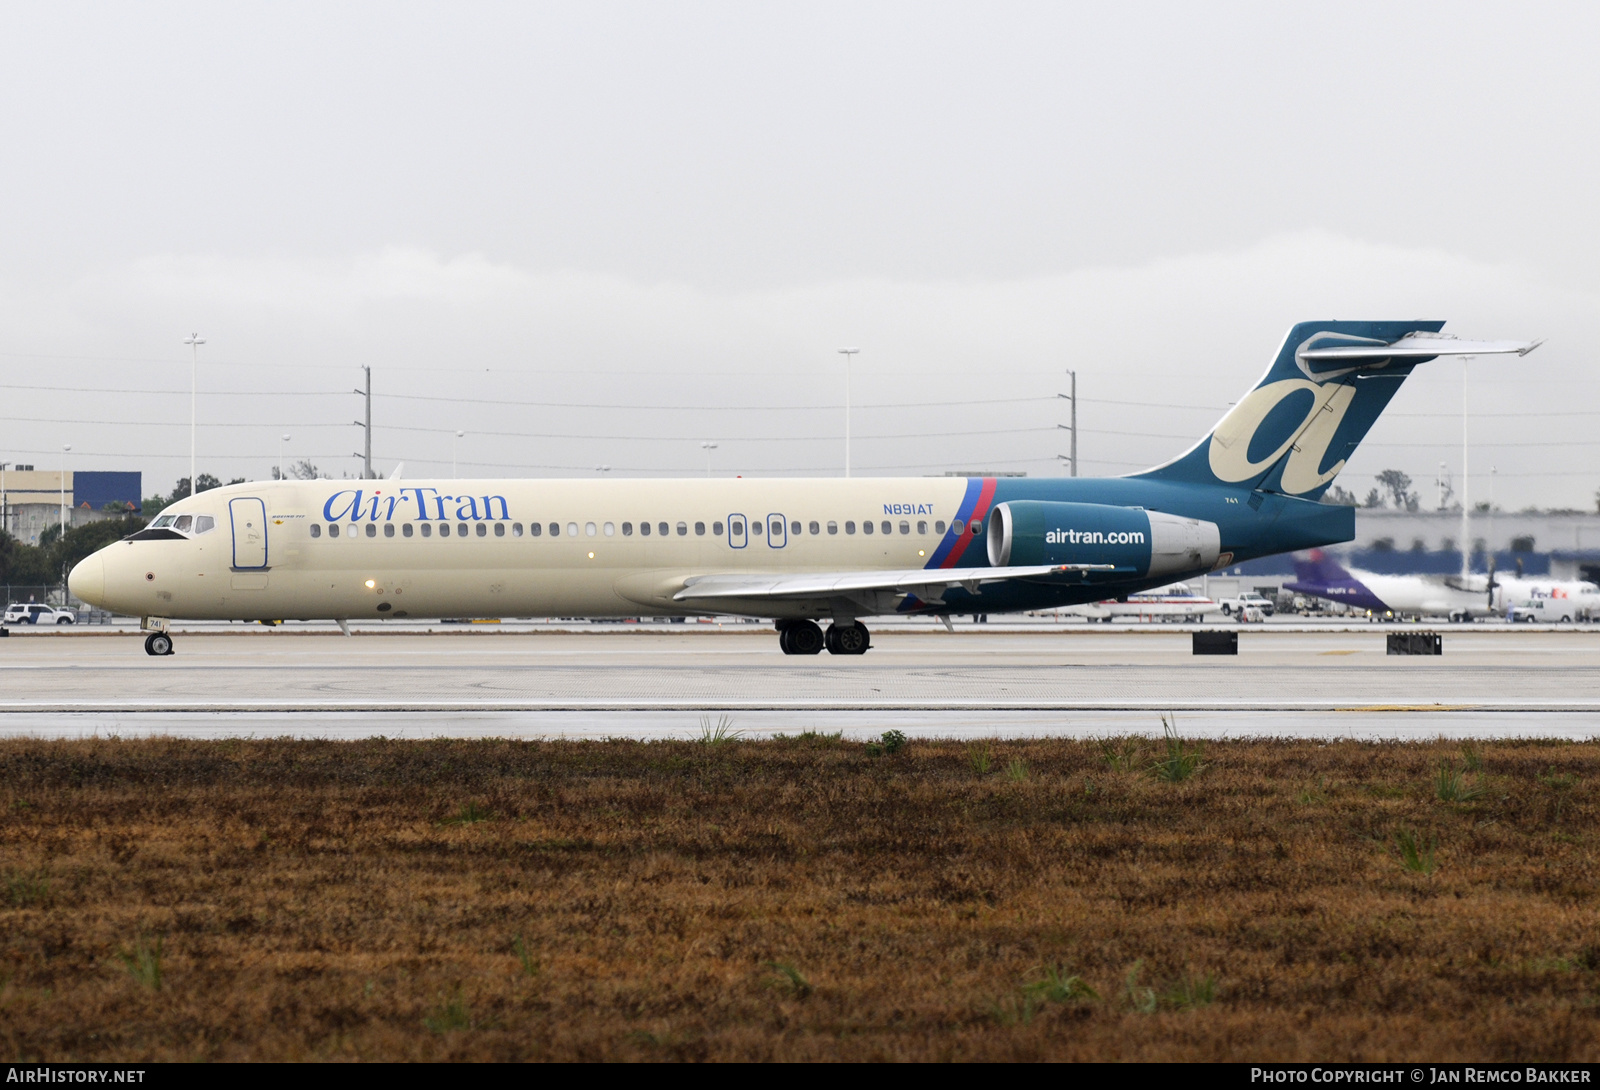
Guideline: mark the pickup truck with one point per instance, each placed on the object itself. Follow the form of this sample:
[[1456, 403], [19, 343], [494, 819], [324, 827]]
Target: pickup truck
[[37, 613], [1242, 602]]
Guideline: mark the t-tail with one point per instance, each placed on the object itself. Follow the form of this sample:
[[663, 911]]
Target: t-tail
[[1295, 431]]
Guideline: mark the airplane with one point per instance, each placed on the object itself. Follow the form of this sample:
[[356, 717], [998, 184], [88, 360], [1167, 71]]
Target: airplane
[[797, 551], [1177, 602], [1321, 576], [1457, 597]]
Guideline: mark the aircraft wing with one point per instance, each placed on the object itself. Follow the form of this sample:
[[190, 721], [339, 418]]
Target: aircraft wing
[[831, 584]]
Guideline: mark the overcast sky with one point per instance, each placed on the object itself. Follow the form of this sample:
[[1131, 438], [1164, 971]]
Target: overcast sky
[[603, 234]]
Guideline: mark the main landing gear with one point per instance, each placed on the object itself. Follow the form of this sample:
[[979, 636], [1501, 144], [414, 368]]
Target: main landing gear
[[158, 644], [806, 638]]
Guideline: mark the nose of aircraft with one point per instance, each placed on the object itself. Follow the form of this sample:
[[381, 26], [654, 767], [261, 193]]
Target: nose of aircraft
[[88, 580]]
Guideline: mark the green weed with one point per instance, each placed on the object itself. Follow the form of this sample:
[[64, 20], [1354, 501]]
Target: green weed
[[1470, 757], [143, 962], [1416, 852], [449, 1016], [719, 733], [789, 979], [1180, 761], [23, 889], [1191, 993], [530, 964], [1056, 985], [1137, 996], [894, 741], [1449, 785], [980, 758], [469, 814], [1016, 770], [1122, 754]]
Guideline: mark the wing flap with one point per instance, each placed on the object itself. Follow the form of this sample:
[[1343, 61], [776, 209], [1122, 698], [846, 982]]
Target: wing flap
[[829, 584]]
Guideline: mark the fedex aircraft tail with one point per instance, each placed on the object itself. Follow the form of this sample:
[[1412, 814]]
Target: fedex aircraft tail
[[1294, 432]]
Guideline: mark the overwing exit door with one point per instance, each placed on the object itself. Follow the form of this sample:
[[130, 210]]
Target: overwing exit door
[[249, 518]]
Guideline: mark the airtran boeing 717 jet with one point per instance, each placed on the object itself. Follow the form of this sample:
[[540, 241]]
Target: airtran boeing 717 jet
[[805, 552]]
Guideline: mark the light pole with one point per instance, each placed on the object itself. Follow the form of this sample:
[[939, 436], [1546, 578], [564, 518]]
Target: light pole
[[283, 442], [5, 511], [65, 450], [848, 354], [194, 342], [454, 444], [708, 447]]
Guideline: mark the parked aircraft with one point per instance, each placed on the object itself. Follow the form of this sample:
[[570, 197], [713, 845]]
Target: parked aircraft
[[1174, 603], [1458, 598], [798, 551]]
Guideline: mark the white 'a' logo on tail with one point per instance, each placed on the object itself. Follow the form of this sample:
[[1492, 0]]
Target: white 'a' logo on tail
[[1308, 440]]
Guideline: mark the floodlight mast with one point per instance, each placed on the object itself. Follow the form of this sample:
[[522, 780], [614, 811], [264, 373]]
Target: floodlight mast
[[194, 342], [848, 354]]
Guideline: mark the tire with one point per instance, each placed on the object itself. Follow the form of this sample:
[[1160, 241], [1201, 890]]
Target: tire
[[805, 638], [158, 644], [1566, 620], [65, 620], [850, 639]]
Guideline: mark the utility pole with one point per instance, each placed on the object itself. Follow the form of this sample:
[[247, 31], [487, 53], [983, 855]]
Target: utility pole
[[454, 450], [708, 447], [366, 458], [65, 450], [849, 355], [1466, 509], [5, 510], [194, 342], [1072, 458]]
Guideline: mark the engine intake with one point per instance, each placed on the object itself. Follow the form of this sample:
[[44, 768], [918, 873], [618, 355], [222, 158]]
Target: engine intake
[[1142, 543]]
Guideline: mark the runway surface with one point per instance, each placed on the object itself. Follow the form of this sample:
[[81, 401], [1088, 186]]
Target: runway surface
[[657, 683]]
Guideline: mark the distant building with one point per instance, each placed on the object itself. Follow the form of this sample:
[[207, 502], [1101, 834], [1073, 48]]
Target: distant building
[[31, 501]]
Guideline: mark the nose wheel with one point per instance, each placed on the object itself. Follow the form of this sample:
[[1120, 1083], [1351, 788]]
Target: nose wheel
[[158, 644], [848, 639]]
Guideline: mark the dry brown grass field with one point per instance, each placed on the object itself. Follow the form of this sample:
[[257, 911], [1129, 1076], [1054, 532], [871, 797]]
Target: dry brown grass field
[[797, 899]]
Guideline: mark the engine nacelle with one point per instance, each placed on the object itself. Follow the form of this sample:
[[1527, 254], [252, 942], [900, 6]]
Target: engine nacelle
[[1150, 543]]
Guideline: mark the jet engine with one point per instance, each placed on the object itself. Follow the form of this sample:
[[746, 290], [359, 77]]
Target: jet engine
[[1143, 543]]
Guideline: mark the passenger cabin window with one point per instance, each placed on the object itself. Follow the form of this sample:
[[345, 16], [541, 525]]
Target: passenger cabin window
[[407, 530], [814, 528], [922, 527], [588, 528], [794, 527], [316, 530], [661, 528], [736, 528], [849, 527], [644, 528], [905, 527], [716, 528], [499, 529], [683, 529], [833, 527], [627, 529], [700, 529], [333, 531], [777, 527], [888, 529], [372, 531], [427, 529], [536, 528], [444, 529], [572, 529], [483, 531], [938, 527], [516, 529], [976, 528], [958, 526], [757, 527], [866, 527], [388, 529], [461, 529], [610, 529]]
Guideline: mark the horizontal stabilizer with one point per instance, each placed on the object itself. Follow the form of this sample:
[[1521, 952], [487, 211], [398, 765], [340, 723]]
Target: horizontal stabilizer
[[827, 584]]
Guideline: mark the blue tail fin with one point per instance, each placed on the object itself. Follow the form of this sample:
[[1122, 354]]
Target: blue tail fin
[[1294, 432]]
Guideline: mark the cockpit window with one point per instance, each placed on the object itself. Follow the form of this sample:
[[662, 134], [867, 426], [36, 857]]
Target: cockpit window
[[204, 523], [182, 525], [164, 520]]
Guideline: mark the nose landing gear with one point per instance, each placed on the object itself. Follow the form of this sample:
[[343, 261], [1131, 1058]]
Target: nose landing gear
[[158, 644]]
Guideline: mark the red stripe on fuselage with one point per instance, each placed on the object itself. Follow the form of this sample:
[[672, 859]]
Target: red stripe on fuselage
[[980, 511]]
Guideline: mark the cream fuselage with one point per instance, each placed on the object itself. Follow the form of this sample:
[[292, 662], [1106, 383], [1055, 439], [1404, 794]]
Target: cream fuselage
[[374, 569]]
